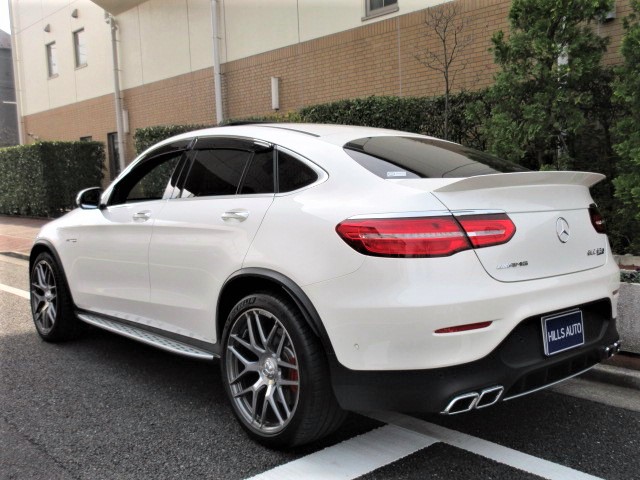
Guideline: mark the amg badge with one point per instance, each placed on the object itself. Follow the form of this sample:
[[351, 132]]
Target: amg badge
[[502, 266]]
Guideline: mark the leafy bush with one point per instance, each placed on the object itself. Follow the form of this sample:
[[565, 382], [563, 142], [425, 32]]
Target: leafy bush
[[149, 136], [410, 114], [43, 179], [627, 129], [146, 137], [630, 276]]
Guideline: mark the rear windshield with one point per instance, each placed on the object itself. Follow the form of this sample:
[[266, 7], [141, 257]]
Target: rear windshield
[[408, 157]]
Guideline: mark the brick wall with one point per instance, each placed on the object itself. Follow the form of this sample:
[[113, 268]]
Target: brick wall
[[375, 59], [183, 99]]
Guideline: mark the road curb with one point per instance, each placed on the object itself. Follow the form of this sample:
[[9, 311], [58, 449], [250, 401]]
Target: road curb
[[19, 256], [619, 376]]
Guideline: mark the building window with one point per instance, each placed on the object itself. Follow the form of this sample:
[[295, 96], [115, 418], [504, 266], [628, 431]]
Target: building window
[[52, 60], [86, 139], [80, 47], [374, 8]]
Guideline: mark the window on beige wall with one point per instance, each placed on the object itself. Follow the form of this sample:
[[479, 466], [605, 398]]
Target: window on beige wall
[[373, 8], [80, 47], [52, 60]]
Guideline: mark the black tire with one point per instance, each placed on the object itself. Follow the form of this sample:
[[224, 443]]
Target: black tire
[[51, 305], [261, 386]]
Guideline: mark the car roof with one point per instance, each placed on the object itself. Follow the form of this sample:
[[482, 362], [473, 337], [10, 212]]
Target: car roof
[[330, 133]]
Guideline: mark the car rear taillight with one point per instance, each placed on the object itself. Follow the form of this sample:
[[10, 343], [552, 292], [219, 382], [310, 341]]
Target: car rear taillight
[[405, 237], [597, 220], [488, 230], [439, 236]]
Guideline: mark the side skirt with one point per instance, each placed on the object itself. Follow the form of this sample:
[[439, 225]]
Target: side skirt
[[162, 340]]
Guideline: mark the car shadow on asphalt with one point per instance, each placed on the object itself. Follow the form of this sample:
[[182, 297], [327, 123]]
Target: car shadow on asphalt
[[125, 404]]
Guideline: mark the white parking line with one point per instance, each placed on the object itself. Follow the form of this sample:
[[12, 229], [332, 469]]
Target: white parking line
[[353, 458], [15, 291], [493, 451]]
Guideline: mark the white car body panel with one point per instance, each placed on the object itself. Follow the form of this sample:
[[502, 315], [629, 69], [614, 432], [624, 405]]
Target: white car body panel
[[103, 276], [379, 313], [193, 251], [383, 316]]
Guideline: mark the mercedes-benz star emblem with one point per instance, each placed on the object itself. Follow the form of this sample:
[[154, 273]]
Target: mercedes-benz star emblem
[[562, 229]]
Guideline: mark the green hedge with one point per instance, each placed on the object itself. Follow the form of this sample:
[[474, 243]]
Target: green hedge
[[410, 114], [43, 179], [146, 137]]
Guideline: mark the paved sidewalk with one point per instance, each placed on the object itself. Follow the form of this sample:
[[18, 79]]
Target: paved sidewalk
[[17, 234]]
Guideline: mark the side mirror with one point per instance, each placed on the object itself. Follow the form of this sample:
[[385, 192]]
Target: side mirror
[[89, 198]]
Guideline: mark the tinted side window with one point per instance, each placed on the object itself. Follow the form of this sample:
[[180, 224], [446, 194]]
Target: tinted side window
[[293, 174], [259, 176], [216, 172], [148, 181]]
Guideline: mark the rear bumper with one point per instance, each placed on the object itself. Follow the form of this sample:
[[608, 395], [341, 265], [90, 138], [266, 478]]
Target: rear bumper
[[384, 316], [518, 365]]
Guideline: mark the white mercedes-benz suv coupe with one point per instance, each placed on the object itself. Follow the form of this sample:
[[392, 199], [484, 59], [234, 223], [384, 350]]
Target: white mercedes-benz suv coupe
[[334, 268]]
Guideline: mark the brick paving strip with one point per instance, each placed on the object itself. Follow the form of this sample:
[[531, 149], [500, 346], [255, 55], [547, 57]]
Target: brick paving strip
[[17, 233]]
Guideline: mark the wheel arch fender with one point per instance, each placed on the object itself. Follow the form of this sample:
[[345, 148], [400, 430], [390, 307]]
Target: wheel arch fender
[[249, 280], [41, 245]]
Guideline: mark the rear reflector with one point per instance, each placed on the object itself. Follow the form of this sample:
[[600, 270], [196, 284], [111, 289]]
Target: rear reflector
[[405, 237], [597, 220], [438, 236], [464, 328]]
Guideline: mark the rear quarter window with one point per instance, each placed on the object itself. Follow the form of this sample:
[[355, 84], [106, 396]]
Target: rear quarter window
[[396, 157], [293, 174]]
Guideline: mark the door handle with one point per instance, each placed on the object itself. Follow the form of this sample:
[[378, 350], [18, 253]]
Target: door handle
[[142, 216], [239, 215]]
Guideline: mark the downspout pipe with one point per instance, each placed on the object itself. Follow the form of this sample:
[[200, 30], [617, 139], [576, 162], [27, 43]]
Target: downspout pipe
[[217, 77], [17, 84], [116, 89]]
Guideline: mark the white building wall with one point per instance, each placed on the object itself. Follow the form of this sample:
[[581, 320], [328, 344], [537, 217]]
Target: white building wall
[[96, 78], [38, 91], [257, 26], [130, 52], [325, 17], [160, 39]]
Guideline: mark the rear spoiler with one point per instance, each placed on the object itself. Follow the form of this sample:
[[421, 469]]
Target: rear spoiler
[[501, 180]]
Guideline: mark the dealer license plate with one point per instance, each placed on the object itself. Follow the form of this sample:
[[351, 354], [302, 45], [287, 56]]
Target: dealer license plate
[[562, 331]]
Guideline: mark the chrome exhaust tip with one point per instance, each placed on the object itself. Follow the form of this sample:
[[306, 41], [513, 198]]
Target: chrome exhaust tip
[[489, 396], [462, 403], [468, 401]]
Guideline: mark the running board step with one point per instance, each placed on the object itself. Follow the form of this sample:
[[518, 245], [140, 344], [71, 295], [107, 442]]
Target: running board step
[[144, 336]]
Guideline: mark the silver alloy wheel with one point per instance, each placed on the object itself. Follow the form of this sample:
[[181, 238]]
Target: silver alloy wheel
[[44, 296], [262, 371]]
